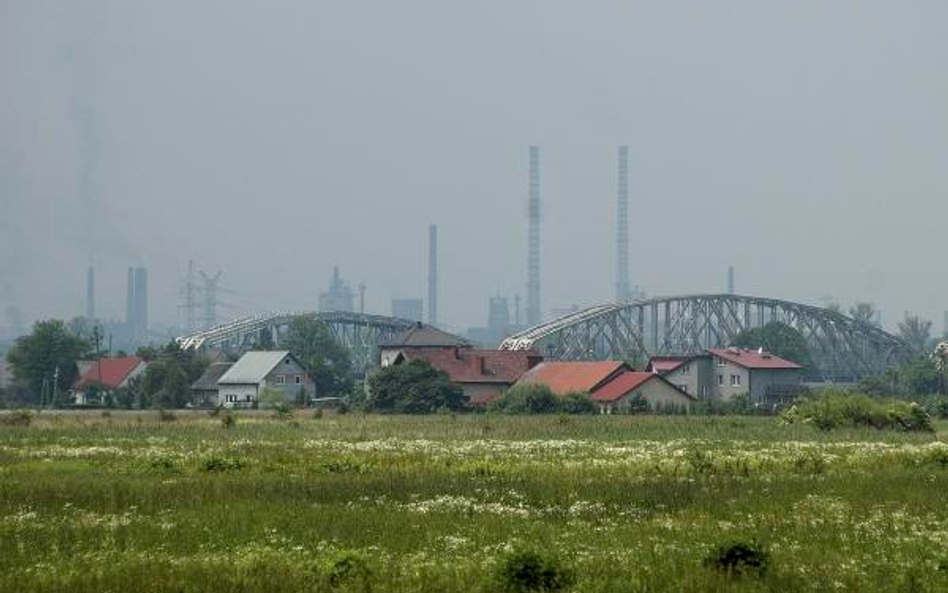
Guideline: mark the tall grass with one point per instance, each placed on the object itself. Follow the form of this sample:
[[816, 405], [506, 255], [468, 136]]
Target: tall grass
[[357, 503]]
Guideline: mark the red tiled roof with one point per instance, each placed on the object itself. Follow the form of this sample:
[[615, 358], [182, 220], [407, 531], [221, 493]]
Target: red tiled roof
[[664, 364], [468, 365], [627, 382], [752, 359], [621, 385], [572, 377], [109, 372]]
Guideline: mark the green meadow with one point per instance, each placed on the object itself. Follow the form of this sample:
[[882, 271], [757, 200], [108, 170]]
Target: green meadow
[[131, 502]]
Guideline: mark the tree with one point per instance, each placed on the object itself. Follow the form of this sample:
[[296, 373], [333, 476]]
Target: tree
[[777, 338], [167, 380], [863, 312], [49, 351], [413, 388], [325, 359], [917, 332]]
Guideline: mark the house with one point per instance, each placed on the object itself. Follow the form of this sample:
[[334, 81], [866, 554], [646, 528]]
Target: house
[[242, 384], [564, 377], [691, 374], [104, 376], [482, 374], [760, 374], [619, 394], [418, 337], [204, 391]]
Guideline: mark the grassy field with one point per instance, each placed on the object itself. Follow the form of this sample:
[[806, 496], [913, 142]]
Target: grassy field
[[368, 503]]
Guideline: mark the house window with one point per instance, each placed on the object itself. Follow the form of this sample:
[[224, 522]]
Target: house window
[[249, 398], [720, 379], [686, 370], [280, 379], [298, 379], [735, 380], [287, 361], [719, 361]]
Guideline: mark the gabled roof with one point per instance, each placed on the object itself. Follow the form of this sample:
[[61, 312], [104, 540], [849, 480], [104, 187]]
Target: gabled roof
[[213, 373], [666, 364], [424, 336], [108, 372], [253, 367], [571, 377], [626, 382], [753, 359], [467, 365]]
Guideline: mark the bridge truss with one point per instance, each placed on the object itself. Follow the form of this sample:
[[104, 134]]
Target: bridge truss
[[358, 332], [841, 348]]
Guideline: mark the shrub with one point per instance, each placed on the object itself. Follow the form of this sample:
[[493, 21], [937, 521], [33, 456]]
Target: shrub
[[166, 416], [228, 420], [739, 558], [577, 403], [16, 418], [348, 568], [938, 407], [318, 414], [525, 571], [527, 399], [836, 409], [213, 465]]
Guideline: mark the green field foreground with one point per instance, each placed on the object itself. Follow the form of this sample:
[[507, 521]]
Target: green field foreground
[[130, 503]]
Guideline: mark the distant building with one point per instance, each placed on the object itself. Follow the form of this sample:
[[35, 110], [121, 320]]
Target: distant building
[[762, 376], [611, 384], [482, 374], [691, 374], [621, 393], [418, 337], [242, 383], [411, 309], [565, 377], [498, 324], [205, 391], [723, 373], [339, 297], [104, 377]]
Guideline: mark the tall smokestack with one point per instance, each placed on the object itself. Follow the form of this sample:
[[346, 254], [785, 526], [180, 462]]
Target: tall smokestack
[[90, 294], [141, 303], [730, 279], [534, 315], [623, 288], [433, 275]]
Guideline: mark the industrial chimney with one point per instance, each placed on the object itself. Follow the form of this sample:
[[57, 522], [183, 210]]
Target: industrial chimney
[[534, 315], [433, 275], [730, 279], [90, 294], [623, 288]]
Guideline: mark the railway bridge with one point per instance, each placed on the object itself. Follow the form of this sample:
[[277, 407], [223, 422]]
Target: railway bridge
[[842, 349]]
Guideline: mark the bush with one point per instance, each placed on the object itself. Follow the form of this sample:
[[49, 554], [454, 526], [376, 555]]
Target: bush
[[527, 399], [739, 558], [228, 420], [577, 403], [214, 465], [525, 571], [348, 568], [836, 409], [166, 416], [16, 418]]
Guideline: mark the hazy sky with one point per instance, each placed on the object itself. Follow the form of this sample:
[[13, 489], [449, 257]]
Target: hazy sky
[[803, 142]]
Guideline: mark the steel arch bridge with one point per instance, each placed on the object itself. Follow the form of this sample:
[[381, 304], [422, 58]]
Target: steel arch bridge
[[841, 348], [359, 332]]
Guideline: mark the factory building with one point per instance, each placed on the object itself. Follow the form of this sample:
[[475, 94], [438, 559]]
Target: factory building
[[339, 297]]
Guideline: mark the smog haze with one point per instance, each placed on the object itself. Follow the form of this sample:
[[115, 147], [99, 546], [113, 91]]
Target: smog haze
[[804, 143]]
